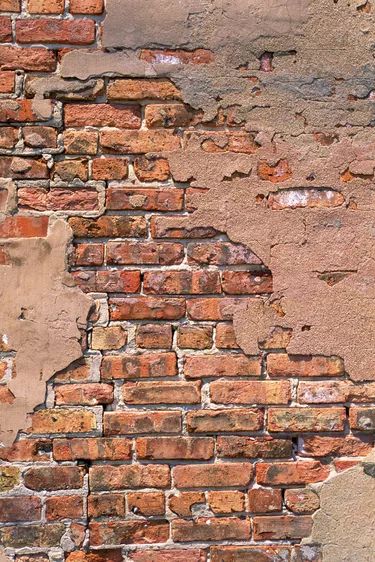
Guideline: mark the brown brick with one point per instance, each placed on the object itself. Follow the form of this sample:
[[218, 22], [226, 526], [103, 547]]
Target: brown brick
[[20, 508], [167, 116], [40, 536], [111, 226], [138, 142], [70, 170], [7, 82], [362, 419], [203, 529], [178, 392], [183, 502], [265, 500], [128, 532], [181, 282], [146, 365], [21, 110], [281, 527], [219, 475], [212, 308], [250, 553], [108, 169], [63, 421], [112, 337], [98, 556], [93, 449], [44, 30], [128, 476], [5, 29], [151, 168], [246, 283], [30, 450], [221, 365], [221, 253], [106, 505], [8, 136], [256, 392], [146, 308], [40, 137], [171, 555], [80, 142], [138, 422], [102, 115], [306, 419], [9, 478], [226, 336], [216, 421], [154, 336], [40, 199], [90, 394], [94, 7], [283, 365], [45, 6], [317, 446], [119, 198], [291, 473], [131, 89], [175, 448], [194, 337], [54, 478], [253, 447], [34, 60], [23, 168], [146, 503], [64, 507], [147, 253], [226, 502], [301, 500]]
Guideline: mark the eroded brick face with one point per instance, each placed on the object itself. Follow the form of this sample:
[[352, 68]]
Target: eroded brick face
[[166, 434]]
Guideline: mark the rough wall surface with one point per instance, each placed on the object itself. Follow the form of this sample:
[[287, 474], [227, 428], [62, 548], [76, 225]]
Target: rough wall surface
[[202, 171]]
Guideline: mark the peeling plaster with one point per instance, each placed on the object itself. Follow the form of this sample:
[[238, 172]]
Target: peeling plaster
[[41, 314]]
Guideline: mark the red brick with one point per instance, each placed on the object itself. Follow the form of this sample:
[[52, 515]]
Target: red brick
[[175, 448], [40, 199], [30, 450], [107, 281], [226, 336], [146, 503], [281, 527], [204, 529], [20, 508], [89, 254], [93, 449], [142, 366], [23, 227], [217, 421], [106, 505], [151, 168], [179, 56], [302, 500], [167, 116], [5, 29], [44, 30], [212, 308], [219, 475], [71, 169], [40, 137], [317, 446], [64, 507], [34, 60], [128, 532], [102, 115], [226, 502], [90, 394], [194, 337], [221, 365], [250, 553], [7, 82], [265, 500], [45, 6], [291, 473], [8, 136], [138, 422], [145, 253], [181, 282], [256, 392], [178, 392], [22, 168], [283, 365], [138, 142], [172, 555], [94, 7], [253, 447], [119, 198], [54, 478], [135, 89], [277, 173], [108, 169], [362, 419], [128, 476], [99, 556], [246, 283], [154, 336], [10, 5], [183, 502], [306, 419], [146, 308], [80, 142], [221, 253], [111, 226]]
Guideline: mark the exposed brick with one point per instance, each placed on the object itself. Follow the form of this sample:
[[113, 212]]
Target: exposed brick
[[317, 446], [112, 226], [63, 421], [204, 529], [221, 253], [8, 137], [80, 142], [146, 503], [106, 505], [183, 502], [20, 508], [265, 500], [223, 141], [59, 199], [108, 169], [362, 419], [7, 82], [217, 421], [5, 29], [167, 116], [128, 532], [93, 449], [171, 555], [40, 137], [98, 556], [291, 473], [151, 168], [128, 476], [226, 336], [9, 478], [23, 227], [226, 502], [45, 6], [211, 308], [94, 7], [71, 169], [40, 536], [250, 553], [30, 450], [194, 337], [88, 254], [300, 198], [10, 5], [119, 198], [277, 173], [102, 115], [154, 336], [130, 89], [44, 30], [147, 253], [301, 500], [54, 478], [23, 168], [201, 366], [162, 393], [138, 142], [34, 60], [138, 422], [246, 283], [281, 527], [256, 392], [282, 365], [175, 448], [181, 282], [64, 507], [217, 475], [147, 365], [306, 419], [112, 337], [89, 394], [146, 308], [253, 447], [176, 227]]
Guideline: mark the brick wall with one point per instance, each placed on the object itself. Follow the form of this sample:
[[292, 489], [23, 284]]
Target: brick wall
[[165, 442]]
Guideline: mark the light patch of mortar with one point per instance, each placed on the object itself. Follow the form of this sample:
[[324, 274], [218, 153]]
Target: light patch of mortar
[[41, 314]]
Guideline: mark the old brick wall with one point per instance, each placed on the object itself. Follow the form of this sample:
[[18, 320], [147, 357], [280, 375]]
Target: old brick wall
[[165, 441]]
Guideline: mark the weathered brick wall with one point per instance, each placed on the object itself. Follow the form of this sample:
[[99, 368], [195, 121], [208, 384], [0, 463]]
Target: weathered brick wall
[[165, 442]]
